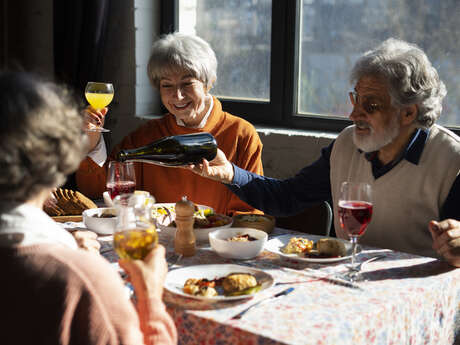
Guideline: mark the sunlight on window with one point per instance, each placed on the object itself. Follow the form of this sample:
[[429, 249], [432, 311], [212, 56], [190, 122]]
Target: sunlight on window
[[240, 34], [334, 32]]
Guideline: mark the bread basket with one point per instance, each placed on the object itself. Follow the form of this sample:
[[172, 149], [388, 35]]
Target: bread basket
[[262, 222]]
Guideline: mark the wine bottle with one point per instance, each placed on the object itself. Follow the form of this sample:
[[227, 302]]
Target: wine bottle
[[174, 150]]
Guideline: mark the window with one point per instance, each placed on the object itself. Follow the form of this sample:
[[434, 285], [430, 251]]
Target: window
[[287, 62]]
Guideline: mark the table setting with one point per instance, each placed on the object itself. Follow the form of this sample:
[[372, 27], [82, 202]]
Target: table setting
[[363, 295]]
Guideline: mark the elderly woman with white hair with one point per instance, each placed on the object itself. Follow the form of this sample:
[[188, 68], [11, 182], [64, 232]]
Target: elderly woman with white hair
[[183, 68], [54, 292], [412, 164]]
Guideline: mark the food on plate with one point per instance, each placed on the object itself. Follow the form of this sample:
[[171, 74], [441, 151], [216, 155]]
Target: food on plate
[[200, 287], [323, 248], [330, 246], [242, 238], [66, 202], [234, 284], [298, 245]]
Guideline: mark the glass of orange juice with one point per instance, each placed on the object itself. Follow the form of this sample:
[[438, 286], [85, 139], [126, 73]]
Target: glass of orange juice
[[99, 95]]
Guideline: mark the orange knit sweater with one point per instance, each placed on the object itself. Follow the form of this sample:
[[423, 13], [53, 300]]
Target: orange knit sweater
[[236, 137]]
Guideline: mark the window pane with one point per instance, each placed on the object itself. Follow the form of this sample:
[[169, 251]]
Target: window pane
[[334, 32], [239, 31]]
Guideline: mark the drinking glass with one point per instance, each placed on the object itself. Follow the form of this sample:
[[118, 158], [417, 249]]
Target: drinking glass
[[355, 213], [99, 95], [135, 234], [121, 178]]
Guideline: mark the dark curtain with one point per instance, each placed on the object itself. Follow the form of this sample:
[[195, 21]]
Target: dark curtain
[[80, 30]]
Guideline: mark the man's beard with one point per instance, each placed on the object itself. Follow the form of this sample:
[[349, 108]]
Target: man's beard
[[373, 141]]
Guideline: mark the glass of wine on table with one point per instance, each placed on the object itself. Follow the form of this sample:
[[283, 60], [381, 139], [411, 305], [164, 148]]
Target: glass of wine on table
[[355, 213], [121, 178], [99, 95]]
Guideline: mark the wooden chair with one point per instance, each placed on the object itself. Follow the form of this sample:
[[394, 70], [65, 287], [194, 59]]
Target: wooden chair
[[316, 219]]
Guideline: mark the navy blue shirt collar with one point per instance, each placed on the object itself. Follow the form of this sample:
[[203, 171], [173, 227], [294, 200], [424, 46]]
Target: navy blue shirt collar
[[411, 153]]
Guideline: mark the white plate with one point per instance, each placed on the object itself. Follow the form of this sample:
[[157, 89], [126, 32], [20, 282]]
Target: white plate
[[274, 245], [176, 278]]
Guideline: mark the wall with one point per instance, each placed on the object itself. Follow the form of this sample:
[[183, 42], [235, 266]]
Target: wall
[[287, 151], [31, 44]]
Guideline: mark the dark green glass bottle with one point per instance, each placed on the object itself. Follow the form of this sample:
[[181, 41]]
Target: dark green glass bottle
[[175, 150]]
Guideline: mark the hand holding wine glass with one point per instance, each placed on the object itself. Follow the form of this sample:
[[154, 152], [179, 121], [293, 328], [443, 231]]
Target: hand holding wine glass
[[99, 95], [121, 178], [355, 212]]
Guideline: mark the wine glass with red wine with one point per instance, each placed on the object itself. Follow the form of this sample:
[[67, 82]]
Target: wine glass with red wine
[[121, 178], [355, 213]]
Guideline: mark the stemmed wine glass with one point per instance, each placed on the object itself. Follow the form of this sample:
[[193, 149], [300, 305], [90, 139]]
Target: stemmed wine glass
[[121, 178], [355, 212], [99, 95]]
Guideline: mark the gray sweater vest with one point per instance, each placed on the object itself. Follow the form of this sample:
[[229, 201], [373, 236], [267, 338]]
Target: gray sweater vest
[[407, 197]]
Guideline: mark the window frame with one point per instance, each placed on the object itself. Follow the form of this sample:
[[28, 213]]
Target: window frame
[[281, 110]]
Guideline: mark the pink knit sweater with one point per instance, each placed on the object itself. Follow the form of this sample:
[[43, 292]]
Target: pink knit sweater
[[54, 295]]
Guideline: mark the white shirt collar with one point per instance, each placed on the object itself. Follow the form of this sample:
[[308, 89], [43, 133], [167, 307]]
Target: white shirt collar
[[203, 121], [28, 225]]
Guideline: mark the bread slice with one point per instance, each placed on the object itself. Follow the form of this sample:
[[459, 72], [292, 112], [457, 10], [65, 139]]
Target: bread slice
[[68, 203], [330, 246]]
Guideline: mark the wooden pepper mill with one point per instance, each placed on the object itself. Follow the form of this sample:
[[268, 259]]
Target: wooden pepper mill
[[184, 240]]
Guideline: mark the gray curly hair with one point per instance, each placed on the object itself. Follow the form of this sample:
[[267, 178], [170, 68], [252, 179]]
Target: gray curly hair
[[181, 52], [41, 136], [411, 77]]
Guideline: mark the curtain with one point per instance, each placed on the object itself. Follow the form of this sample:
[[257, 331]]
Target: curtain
[[80, 30]]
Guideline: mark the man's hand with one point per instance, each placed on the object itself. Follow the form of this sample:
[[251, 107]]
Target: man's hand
[[87, 240], [446, 239], [147, 276], [219, 169]]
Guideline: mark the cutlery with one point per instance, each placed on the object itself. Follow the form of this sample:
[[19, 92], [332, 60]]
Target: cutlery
[[270, 298], [174, 260], [324, 277], [361, 264]]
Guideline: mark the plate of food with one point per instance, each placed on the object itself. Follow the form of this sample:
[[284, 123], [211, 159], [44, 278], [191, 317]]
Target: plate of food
[[310, 248], [205, 220], [225, 282]]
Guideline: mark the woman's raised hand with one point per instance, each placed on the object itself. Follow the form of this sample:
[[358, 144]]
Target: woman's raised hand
[[219, 169], [93, 118]]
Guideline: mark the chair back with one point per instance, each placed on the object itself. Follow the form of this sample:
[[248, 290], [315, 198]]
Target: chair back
[[315, 219]]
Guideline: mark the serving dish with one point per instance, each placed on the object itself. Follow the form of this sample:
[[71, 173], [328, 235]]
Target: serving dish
[[94, 220], [219, 240], [276, 244], [175, 279], [163, 221], [262, 222]]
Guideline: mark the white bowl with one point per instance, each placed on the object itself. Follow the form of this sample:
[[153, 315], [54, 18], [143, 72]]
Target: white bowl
[[237, 250], [103, 226], [201, 234]]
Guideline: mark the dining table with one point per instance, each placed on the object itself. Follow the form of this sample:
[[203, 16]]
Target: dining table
[[402, 299]]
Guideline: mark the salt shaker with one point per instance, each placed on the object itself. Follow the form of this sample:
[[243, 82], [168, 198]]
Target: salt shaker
[[184, 240]]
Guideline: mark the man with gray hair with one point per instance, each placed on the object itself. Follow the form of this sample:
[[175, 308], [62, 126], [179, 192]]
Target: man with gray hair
[[394, 145]]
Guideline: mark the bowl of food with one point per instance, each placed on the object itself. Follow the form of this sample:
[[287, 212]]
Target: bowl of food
[[205, 220], [262, 222], [238, 243], [102, 220]]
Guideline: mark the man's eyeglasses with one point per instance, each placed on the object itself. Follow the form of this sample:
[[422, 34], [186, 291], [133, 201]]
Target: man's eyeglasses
[[369, 106]]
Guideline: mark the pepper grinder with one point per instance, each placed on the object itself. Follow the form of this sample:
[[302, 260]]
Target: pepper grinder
[[184, 240]]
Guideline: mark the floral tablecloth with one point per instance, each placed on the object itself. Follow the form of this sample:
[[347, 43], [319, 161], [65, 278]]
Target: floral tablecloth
[[406, 299]]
